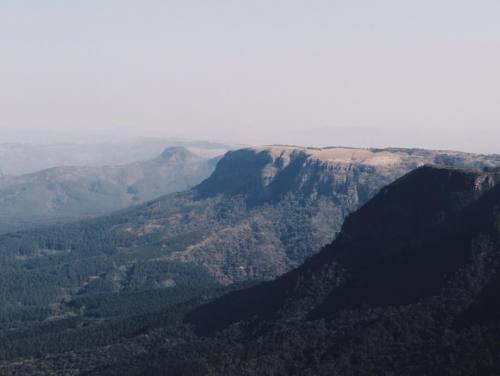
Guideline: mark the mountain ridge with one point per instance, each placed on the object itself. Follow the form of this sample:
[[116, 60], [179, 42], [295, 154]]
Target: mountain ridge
[[24, 158], [69, 193]]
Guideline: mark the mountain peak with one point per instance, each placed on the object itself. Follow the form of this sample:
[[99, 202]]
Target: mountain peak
[[178, 154]]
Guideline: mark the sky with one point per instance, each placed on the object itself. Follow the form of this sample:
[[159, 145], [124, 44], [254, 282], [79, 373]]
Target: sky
[[312, 72]]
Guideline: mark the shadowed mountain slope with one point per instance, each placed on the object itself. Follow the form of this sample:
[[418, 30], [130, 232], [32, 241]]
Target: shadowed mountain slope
[[418, 267]]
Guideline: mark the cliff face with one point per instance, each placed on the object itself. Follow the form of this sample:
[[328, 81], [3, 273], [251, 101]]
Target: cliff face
[[350, 176], [301, 196], [292, 201], [269, 174]]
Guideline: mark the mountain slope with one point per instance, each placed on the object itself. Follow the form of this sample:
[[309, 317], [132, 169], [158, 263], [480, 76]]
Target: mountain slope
[[383, 245], [409, 287], [298, 196], [70, 193]]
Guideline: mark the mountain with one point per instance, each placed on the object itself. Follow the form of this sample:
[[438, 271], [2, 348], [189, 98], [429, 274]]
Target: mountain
[[409, 287], [261, 213], [20, 159], [63, 194], [384, 246]]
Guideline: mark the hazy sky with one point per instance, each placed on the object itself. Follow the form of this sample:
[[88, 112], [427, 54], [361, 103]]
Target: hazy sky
[[421, 73]]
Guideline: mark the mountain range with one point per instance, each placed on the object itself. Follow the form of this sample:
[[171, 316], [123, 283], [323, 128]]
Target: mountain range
[[408, 287], [261, 213], [70, 193], [26, 158]]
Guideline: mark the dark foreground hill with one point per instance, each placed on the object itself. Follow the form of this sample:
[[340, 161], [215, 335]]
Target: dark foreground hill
[[409, 287]]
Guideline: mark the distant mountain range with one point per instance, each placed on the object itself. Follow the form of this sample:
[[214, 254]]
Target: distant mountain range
[[70, 193], [19, 159]]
